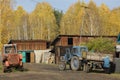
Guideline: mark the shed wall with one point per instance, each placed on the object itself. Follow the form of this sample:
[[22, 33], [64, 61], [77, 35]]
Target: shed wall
[[31, 45]]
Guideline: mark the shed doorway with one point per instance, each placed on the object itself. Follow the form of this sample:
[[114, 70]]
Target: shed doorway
[[28, 57], [70, 41]]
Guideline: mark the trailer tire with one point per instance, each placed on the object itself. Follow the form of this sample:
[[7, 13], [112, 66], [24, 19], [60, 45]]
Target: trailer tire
[[62, 66], [80, 65], [86, 68], [75, 63]]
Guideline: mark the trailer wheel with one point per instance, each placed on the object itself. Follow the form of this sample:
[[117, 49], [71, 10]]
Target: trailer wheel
[[86, 68], [75, 63], [80, 65], [62, 66]]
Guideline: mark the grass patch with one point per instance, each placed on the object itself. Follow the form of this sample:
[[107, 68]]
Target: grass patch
[[0, 68]]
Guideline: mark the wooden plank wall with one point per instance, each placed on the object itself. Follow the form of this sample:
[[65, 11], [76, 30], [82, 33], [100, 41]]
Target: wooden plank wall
[[76, 40], [64, 41], [31, 46]]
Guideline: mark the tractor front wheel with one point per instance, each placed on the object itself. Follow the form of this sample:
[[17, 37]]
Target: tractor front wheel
[[62, 66], [6, 69]]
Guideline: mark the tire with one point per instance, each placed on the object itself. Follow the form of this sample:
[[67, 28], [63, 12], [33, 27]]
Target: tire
[[20, 68], [75, 63], [6, 69], [62, 66], [80, 65], [86, 68]]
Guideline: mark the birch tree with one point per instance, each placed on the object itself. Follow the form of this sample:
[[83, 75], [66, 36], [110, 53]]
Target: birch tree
[[42, 22]]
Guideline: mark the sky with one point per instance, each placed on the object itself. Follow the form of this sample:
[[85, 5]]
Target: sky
[[63, 5]]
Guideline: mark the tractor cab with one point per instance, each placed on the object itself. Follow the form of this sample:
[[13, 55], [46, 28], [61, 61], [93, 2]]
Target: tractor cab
[[79, 51], [9, 48], [74, 57]]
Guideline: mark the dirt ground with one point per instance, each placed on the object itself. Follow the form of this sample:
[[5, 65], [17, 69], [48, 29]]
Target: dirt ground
[[51, 72]]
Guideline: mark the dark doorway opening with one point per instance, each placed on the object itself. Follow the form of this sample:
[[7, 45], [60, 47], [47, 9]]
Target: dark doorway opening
[[70, 41], [28, 57]]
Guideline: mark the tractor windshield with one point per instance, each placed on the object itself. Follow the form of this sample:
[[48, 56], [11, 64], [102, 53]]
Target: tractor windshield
[[10, 49], [74, 50]]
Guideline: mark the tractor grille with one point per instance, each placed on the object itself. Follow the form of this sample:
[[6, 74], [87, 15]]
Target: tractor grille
[[13, 59]]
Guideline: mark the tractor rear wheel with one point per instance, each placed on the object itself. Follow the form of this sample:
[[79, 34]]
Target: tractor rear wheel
[[75, 63], [20, 68]]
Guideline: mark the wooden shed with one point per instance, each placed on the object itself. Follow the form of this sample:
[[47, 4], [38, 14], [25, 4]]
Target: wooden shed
[[30, 44], [75, 40], [27, 47], [72, 40]]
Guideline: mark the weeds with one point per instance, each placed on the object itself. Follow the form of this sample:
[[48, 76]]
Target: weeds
[[0, 68]]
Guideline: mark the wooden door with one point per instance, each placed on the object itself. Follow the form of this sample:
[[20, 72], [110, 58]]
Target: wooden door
[[32, 57]]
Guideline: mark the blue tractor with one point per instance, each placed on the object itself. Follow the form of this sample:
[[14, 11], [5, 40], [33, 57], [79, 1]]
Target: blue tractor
[[74, 57]]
